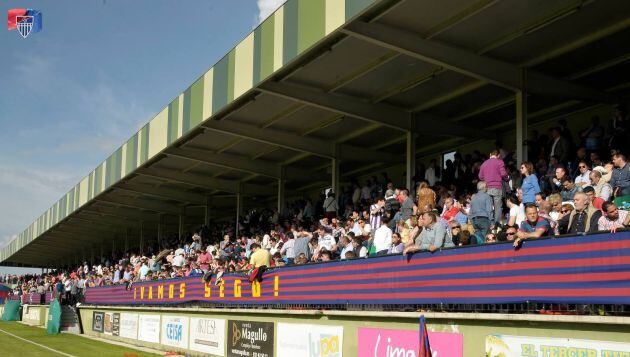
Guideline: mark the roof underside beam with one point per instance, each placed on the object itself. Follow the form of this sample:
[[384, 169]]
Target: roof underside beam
[[382, 114], [141, 204], [161, 192], [299, 143], [485, 68], [207, 182], [244, 164]]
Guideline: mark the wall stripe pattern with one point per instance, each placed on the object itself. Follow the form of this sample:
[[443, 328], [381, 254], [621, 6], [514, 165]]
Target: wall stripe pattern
[[280, 39], [589, 269]]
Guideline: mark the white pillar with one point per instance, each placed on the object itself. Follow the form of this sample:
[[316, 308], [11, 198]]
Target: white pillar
[[180, 231], [336, 173], [239, 207], [521, 120]]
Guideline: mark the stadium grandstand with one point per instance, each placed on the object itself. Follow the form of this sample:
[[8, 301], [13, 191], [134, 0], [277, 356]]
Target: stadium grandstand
[[363, 160]]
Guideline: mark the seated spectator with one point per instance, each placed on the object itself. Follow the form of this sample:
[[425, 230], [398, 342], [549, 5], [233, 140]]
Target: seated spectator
[[583, 175], [259, 257], [539, 199], [516, 214], [359, 250], [432, 237], [532, 227], [584, 218], [613, 218], [350, 255], [556, 181], [544, 211], [602, 188], [569, 189], [450, 209], [597, 202], [344, 246], [397, 245], [508, 234]]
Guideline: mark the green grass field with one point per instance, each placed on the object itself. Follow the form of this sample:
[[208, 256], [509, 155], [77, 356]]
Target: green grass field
[[65, 344]]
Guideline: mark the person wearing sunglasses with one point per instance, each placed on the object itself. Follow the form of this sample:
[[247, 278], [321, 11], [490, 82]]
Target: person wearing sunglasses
[[582, 178]]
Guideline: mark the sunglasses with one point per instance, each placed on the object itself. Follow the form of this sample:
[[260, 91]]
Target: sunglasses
[[582, 167], [564, 211]]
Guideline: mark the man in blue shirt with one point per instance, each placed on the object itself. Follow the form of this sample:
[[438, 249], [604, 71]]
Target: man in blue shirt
[[620, 180], [481, 212], [533, 227]]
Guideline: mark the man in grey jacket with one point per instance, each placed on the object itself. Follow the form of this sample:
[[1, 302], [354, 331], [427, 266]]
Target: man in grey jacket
[[481, 212]]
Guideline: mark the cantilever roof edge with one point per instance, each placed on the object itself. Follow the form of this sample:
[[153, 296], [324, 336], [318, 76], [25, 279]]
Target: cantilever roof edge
[[280, 39]]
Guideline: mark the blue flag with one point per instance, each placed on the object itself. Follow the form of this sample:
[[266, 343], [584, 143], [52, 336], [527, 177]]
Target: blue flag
[[37, 19], [425, 347]]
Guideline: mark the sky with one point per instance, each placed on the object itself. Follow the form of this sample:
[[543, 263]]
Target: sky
[[100, 69]]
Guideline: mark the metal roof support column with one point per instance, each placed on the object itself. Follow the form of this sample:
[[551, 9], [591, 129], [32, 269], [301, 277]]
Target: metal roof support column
[[281, 191], [521, 119], [239, 208], [142, 237], [180, 231], [113, 246], [92, 261], [206, 220], [411, 158], [336, 174], [102, 252]]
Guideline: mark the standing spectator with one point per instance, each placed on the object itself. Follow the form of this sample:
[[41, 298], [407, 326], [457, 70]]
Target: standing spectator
[[613, 218], [426, 197], [407, 208], [330, 206], [377, 210], [383, 238], [602, 188], [620, 180], [517, 210], [530, 185], [585, 217], [432, 173], [481, 211], [560, 146], [493, 172], [593, 135]]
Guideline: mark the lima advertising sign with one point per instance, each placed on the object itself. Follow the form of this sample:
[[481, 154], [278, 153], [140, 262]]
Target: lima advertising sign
[[175, 331], [377, 342], [309, 340]]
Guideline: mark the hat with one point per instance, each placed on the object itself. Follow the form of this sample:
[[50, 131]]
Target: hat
[[389, 194], [601, 169]]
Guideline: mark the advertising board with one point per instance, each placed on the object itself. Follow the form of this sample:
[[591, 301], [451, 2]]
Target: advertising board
[[207, 335], [309, 340], [149, 328], [523, 346], [175, 331], [376, 342], [129, 325], [97, 321], [250, 338]]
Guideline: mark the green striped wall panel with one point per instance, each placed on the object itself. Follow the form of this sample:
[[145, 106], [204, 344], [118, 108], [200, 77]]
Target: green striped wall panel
[[288, 32]]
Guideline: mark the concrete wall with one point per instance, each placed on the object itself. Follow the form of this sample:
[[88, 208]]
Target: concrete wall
[[473, 327], [35, 315]]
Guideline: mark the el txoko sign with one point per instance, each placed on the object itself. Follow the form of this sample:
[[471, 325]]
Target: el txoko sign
[[176, 291]]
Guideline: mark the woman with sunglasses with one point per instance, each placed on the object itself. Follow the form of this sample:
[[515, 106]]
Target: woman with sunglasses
[[530, 185]]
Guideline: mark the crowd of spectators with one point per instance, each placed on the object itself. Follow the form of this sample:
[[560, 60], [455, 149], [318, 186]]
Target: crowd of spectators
[[567, 188]]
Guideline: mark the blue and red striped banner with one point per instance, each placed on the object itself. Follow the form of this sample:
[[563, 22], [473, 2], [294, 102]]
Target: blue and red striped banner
[[592, 269]]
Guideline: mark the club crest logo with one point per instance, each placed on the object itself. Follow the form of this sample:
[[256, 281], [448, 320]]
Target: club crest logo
[[25, 21]]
